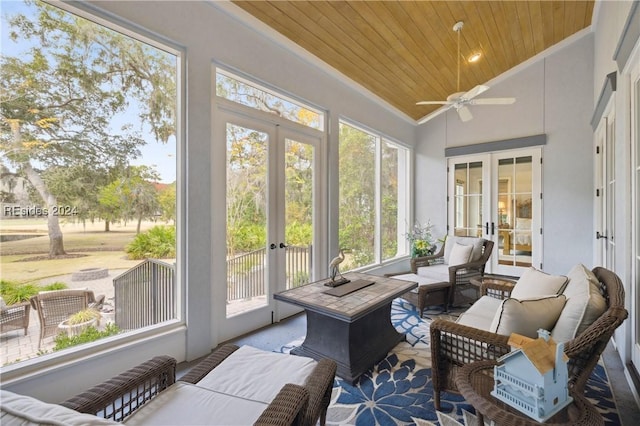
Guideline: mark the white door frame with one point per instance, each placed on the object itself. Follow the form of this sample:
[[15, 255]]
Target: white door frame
[[277, 130], [489, 222], [604, 205]]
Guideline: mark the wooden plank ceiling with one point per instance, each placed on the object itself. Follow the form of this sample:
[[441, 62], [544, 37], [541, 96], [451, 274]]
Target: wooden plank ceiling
[[405, 51]]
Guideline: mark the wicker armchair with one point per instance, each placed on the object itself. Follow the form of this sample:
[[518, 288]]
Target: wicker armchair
[[53, 307], [454, 345], [15, 317]]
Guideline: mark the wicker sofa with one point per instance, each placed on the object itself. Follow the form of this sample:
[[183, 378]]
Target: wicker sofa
[[232, 386], [582, 310]]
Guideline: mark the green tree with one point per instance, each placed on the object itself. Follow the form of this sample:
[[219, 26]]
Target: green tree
[[167, 201], [131, 196], [59, 99]]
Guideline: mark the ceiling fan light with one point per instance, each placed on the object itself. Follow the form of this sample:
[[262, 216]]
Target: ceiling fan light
[[474, 57]]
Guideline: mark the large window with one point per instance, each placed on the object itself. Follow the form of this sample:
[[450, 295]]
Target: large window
[[88, 181], [373, 197]]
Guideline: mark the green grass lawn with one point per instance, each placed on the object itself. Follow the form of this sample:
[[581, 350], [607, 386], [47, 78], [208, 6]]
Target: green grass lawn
[[101, 249]]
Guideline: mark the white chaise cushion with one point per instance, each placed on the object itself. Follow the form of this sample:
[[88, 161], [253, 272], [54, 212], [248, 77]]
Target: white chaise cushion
[[480, 315], [187, 404], [476, 243], [460, 254], [25, 411], [527, 316], [535, 284], [257, 375], [584, 305]]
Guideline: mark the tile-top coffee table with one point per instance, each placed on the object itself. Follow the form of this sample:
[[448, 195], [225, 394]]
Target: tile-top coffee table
[[355, 330]]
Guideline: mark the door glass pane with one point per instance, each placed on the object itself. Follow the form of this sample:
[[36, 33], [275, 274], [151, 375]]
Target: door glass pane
[[468, 199], [246, 219], [515, 194], [298, 212]]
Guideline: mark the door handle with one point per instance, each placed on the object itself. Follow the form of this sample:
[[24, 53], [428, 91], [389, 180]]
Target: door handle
[[486, 227], [272, 246], [599, 235], [493, 228], [283, 245]]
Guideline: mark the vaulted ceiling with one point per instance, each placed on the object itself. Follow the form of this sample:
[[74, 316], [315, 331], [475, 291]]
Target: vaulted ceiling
[[406, 51]]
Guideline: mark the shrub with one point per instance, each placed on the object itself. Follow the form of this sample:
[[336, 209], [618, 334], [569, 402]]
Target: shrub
[[13, 292], [83, 316], [157, 243], [89, 334], [58, 285]]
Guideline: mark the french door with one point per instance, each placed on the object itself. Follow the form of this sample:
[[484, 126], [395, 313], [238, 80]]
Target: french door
[[272, 211], [605, 182], [498, 196]]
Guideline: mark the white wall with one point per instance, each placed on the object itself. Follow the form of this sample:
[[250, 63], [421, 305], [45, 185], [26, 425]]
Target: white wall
[[208, 36], [611, 18], [554, 93]]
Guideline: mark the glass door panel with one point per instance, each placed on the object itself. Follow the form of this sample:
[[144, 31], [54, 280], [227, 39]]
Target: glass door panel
[[514, 206], [468, 199], [247, 283], [299, 208]]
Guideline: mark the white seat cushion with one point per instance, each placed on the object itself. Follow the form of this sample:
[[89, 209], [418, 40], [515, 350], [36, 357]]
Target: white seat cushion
[[25, 411], [526, 317], [480, 315], [243, 374], [187, 404], [584, 304], [416, 279], [435, 273], [536, 284]]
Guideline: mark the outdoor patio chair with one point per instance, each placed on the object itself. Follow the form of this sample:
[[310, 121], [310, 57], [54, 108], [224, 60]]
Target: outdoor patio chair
[[53, 307], [443, 267], [453, 344], [14, 317]]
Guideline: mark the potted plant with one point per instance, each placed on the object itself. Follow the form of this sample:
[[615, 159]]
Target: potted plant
[[79, 321], [421, 240]]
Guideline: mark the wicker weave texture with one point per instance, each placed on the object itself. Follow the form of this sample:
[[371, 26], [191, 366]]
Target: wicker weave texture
[[121, 395], [15, 317], [454, 345]]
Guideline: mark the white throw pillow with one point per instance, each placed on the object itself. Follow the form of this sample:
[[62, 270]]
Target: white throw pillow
[[460, 254], [535, 284], [584, 305], [526, 317], [477, 243]]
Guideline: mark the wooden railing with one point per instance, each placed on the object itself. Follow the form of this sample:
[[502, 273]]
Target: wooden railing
[[145, 295]]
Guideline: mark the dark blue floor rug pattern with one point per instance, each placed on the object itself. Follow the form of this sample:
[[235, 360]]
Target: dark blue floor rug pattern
[[398, 390]]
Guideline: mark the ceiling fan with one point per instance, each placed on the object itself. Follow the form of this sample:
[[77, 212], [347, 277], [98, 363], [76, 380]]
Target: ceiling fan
[[460, 100]]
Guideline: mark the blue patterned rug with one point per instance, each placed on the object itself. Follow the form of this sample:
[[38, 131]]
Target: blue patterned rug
[[398, 390]]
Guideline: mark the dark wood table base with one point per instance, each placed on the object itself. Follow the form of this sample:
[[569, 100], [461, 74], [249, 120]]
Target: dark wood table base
[[355, 346]]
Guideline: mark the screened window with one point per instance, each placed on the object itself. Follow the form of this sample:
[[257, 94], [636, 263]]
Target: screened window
[[373, 188], [88, 157]]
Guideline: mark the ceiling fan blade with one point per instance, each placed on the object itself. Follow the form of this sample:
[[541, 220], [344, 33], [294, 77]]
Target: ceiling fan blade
[[492, 101], [475, 92], [464, 113], [433, 103]]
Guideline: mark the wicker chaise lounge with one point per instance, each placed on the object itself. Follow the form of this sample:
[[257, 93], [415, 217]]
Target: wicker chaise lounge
[[454, 345], [214, 392], [14, 317]]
